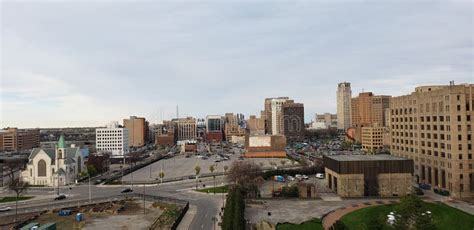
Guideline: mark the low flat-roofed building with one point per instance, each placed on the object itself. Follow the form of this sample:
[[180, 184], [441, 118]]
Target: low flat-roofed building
[[262, 146], [369, 175]]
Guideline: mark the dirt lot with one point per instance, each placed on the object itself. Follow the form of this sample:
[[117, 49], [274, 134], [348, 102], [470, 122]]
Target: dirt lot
[[131, 217]]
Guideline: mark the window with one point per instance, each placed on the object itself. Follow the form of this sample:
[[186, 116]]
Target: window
[[42, 168]]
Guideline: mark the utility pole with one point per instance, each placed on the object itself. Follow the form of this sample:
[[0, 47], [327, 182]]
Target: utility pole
[[144, 208]]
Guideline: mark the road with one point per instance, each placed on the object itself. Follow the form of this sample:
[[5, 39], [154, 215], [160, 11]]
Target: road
[[207, 205]]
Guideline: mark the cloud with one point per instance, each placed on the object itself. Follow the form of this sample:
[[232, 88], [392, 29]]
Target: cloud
[[73, 64]]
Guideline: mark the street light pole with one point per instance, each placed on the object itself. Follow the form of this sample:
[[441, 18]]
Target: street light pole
[[90, 194], [144, 209]]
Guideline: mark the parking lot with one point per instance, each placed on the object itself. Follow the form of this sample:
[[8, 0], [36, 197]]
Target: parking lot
[[179, 166]]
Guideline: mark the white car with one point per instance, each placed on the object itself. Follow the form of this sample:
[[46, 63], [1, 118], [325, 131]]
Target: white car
[[290, 178], [305, 177], [320, 175], [298, 176], [5, 208]]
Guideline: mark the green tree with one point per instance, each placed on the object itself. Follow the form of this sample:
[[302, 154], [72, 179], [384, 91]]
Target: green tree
[[412, 214], [161, 175], [91, 170], [339, 225]]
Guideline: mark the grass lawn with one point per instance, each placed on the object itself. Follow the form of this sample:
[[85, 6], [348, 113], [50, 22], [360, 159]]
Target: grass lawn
[[314, 224], [13, 198], [220, 189], [444, 217]]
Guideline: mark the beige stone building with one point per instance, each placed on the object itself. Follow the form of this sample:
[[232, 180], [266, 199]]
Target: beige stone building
[[372, 138], [433, 126], [344, 94], [13, 139], [369, 175], [137, 131], [232, 127], [186, 128]]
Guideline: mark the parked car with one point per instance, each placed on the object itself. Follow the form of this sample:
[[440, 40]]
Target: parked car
[[5, 208], [320, 175], [305, 177], [299, 176], [290, 178], [60, 197], [126, 190]]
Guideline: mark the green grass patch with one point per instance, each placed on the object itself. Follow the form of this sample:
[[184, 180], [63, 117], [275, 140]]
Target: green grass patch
[[220, 189], [13, 198], [444, 217], [314, 224]]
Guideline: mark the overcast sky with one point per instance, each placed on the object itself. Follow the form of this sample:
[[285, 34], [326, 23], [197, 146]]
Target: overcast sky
[[69, 64]]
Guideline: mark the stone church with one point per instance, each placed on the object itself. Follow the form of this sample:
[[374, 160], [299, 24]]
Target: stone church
[[48, 166]]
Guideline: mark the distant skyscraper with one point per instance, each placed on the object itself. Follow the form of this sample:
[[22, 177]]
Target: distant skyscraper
[[344, 95]]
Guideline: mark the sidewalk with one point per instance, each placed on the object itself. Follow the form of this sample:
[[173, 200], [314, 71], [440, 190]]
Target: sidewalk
[[459, 204], [188, 218]]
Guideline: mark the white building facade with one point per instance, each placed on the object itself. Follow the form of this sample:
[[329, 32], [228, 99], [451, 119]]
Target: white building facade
[[53, 167], [113, 139]]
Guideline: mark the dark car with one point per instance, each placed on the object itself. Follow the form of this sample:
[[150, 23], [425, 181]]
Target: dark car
[[60, 197], [126, 190]]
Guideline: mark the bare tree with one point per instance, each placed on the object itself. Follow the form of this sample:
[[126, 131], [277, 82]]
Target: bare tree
[[283, 162], [225, 168], [212, 168], [19, 187], [198, 170], [246, 174], [13, 166]]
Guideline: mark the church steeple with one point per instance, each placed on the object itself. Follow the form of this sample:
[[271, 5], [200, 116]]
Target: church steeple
[[61, 143]]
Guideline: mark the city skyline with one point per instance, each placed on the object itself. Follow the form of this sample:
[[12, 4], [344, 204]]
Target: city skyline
[[86, 64]]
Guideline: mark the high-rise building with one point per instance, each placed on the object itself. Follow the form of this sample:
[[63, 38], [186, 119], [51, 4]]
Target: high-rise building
[[166, 134], [137, 131], [214, 128], [344, 95], [112, 139], [186, 128], [293, 121], [368, 109], [13, 139], [272, 114], [434, 127], [255, 126], [233, 126]]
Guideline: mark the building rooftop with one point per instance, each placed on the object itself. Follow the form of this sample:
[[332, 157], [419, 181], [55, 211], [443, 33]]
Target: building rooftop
[[379, 157]]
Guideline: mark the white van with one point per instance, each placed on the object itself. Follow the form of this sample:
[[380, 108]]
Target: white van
[[320, 175]]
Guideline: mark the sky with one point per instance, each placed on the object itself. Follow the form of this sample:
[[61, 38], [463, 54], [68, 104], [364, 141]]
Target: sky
[[85, 63]]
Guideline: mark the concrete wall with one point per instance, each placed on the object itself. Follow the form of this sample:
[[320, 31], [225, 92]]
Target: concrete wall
[[395, 184]]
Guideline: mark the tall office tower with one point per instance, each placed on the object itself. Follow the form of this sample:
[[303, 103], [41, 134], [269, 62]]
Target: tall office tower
[[137, 131], [293, 121], [368, 109], [344, 95], [112, 139], [186, 128], [433, 126]]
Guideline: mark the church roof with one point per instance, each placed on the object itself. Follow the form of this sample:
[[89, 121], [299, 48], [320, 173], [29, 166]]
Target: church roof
[[70, 153]]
